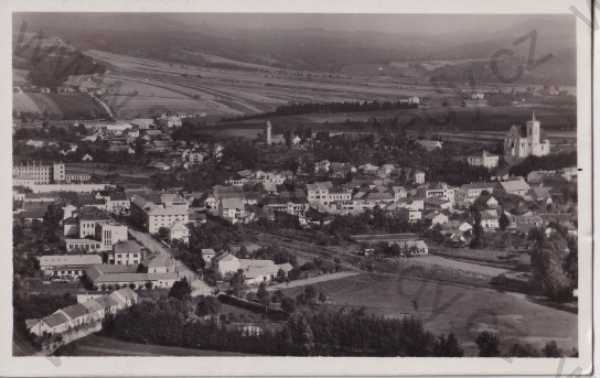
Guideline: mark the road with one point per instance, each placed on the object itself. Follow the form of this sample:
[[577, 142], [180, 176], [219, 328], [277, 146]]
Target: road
[[156, 247], [311, 280]]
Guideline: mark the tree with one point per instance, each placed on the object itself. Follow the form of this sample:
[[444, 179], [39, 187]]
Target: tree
[[503, 221], [488, 344], [322, 297], [163, 233], [281, 275], [237, 283], [447, 347], [551, 350], [310, 294], [547, 263], [262, 294], [208, 306], [301, 333], [527, 350], [288, 304], [181, 290]]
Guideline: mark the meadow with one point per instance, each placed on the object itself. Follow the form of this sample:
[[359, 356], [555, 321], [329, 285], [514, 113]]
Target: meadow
[[447, 307]]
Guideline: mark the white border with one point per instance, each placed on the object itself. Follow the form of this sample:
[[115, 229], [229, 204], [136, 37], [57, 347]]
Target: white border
[[285, 366]]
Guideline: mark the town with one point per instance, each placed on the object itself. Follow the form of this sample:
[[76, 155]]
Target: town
[[179, 193], [112, 243]]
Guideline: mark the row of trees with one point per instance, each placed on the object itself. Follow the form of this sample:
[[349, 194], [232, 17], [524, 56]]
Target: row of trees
[[331, 107], [554, 269], [341, 333], [488, 344], [549, 162]]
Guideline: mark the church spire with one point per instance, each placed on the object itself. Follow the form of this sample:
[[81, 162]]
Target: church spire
[[533, 116]]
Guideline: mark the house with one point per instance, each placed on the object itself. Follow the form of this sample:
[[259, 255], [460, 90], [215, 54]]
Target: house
[[517, 186], [540, 193], [438, 218], [368, 169], [107, 276], [87, 157], [440, 190], [153, 216], [179, 231], [76, 314], [128, 252], [486, 160], [430, 145], [468, 193], [67, 266], [322, 166], [53, 324], [163, 263], [491, 203], [400, 193], [68, 211], [208, 254], [226, 263], [489, 221], [419, 177], [438, 203]]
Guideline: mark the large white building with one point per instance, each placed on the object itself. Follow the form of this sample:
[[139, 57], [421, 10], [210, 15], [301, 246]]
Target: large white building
[[523, 142], [486, 160], [324, 193], [171, 210], [39, 173]]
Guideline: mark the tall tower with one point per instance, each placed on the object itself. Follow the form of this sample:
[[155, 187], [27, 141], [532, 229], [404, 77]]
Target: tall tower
[[533, 131], [269, 130]]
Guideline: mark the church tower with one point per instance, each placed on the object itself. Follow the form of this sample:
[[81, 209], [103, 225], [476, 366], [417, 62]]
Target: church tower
[[533, 132]]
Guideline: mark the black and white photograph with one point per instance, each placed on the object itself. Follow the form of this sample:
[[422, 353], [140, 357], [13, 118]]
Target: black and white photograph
[[300, 184]]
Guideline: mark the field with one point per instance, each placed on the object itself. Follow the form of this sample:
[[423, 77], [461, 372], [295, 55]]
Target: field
[[103, 346], [460, 309], [76, 106], [228, 88]]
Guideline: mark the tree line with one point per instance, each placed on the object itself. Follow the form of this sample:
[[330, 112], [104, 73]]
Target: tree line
[[329, 107]]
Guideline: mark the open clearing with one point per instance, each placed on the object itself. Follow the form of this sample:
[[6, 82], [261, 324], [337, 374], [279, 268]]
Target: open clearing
[[460, 309]]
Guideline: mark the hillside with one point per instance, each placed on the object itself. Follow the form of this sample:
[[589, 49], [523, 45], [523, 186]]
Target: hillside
[[178, 38]]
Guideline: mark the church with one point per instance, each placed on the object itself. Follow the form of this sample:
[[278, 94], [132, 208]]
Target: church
[[522, 142]]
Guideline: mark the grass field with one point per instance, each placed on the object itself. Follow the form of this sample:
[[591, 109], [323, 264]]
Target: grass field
[[78, 106], [104, 346], [461, 309]]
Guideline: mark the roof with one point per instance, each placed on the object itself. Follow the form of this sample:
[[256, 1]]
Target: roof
[[92, 213], [55, 319], [208, 251], [225, 257], [128, 246], [478, 185], [325, 185], [69, 260], [515, 185], [161, 260], [75, 311], [127, 293], [107, 301], [118, 196], [96, 271], [35, 213], [232, 203], [93, 305]]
